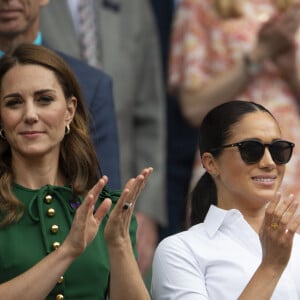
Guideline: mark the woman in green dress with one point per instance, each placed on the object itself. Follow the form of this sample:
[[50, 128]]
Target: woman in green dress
[[63, 235]]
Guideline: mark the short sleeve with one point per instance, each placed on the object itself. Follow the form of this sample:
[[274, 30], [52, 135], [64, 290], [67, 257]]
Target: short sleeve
[[175, 273]]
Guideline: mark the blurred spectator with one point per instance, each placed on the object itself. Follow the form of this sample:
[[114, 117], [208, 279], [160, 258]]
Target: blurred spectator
[[224, 50], [181, 136]]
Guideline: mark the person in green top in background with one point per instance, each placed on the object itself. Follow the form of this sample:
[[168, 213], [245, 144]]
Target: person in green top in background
[[63, 234]]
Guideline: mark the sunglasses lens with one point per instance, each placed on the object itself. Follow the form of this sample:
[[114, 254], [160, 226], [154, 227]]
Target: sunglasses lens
[[251, 151], [281, 151]]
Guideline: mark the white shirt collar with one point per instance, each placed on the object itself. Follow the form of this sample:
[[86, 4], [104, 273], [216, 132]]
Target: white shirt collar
[[216, 217]]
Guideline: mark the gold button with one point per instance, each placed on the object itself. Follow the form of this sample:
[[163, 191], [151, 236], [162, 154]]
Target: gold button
[[55, 245], [60, 297], [48, 199], [60, 279], [51, 212], [54, 228]]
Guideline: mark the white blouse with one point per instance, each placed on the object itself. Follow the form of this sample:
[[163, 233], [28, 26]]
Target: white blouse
[[215, 260]]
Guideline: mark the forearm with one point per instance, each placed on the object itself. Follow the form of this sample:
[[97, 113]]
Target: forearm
[[38, 281], [225, 87], [262, 284], [125, 281]]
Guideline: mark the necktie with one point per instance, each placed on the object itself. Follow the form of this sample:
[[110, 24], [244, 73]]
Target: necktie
[[88, 32]]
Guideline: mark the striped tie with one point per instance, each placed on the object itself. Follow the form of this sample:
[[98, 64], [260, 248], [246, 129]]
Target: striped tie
[[88, 32]]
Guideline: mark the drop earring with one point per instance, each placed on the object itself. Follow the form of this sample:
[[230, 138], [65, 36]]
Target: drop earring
[[67, 129], [2, 134]]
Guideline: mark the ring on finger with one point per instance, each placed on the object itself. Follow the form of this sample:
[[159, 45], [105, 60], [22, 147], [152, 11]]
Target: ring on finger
[[127, 205], [274, 225]]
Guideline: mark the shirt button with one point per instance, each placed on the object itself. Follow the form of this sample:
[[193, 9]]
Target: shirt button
[[48, 199], [55, 245], [51, 212], [60, 297], [54, 228], [60, 279]]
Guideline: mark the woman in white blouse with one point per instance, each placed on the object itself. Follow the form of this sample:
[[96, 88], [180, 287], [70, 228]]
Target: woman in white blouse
[[242, 244]]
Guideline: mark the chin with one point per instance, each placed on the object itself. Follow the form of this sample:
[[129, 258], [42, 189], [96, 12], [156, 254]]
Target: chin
[[267, 196]]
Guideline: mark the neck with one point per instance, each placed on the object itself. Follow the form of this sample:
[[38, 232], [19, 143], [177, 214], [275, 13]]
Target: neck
[[254, 214], [10, 39], [36, 172], [255, 220]]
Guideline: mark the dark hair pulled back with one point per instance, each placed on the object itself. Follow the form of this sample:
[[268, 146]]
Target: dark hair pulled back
[[214, 131]]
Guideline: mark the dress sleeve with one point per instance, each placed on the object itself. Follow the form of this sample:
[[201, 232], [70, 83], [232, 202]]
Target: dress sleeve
[[189, 50], [176, 274]]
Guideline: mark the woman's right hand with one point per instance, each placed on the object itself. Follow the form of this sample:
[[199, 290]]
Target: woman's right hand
[[87, 221], [277, 232]]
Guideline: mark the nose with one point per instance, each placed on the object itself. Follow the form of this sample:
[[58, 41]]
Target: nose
[[267, 160], [31, 113]]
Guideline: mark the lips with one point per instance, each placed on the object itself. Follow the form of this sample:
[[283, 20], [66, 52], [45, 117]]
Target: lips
[[31, 132], [9, 13], [11, 10]]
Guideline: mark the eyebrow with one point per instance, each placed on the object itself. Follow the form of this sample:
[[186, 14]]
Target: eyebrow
[[39, 92]]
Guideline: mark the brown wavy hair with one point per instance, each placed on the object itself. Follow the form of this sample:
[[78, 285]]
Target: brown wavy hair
[[229, 8], [78, 160]]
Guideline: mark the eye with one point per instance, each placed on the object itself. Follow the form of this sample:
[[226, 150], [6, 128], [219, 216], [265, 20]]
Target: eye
[[13, 102], [45, 99]]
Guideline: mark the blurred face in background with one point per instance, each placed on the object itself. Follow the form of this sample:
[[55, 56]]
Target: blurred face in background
[[20, 17]]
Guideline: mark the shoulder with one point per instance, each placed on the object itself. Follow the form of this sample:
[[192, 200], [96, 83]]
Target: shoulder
[[176, 267], [93, 82], [137, 13], [78, 65], [184, 243]]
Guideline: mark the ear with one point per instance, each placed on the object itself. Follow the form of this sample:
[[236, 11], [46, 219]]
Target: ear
[[210, 164], [71, 109]]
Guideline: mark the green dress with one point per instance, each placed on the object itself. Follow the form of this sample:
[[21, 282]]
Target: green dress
[[45, 224]]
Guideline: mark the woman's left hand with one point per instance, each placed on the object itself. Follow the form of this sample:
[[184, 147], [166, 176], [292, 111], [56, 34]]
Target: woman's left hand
[[87, 221], [116, 231]]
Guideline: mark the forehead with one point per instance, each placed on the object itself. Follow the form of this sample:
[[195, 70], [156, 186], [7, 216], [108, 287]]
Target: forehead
[[259, 125], [24, 77]]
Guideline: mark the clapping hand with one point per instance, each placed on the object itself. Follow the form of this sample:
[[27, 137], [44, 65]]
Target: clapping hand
[[278, 230], [117, 228], [87, 221]]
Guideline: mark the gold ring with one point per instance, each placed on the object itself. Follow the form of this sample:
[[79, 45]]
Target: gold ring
[[274, 225]]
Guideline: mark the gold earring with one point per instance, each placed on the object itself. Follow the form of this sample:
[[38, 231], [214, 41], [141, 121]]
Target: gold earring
[[2, 134], [67, 129]]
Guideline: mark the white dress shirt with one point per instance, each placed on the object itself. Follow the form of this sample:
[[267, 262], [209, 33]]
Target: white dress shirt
[[215, 260]]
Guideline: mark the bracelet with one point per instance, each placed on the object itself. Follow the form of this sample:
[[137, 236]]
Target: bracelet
[[253, 68]]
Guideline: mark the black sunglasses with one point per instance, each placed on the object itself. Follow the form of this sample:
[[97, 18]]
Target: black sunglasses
[[252, 151]]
